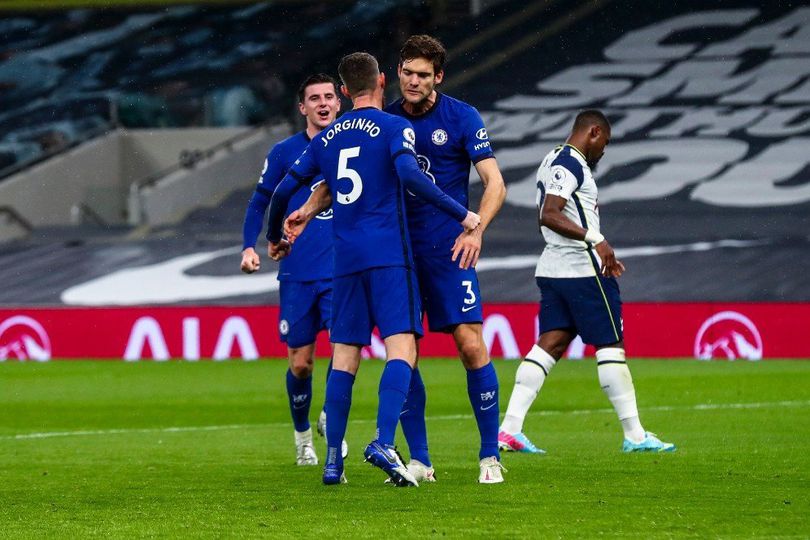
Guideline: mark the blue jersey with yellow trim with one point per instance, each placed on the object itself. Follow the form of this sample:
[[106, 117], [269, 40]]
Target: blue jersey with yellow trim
[[449, 137]]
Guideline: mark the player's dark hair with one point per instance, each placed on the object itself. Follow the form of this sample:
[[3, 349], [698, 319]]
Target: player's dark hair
[[318, 78], [591, 117], [423, 46], [359, 72]]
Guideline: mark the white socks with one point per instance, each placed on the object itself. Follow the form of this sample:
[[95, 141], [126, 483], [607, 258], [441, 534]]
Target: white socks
[[616, 382], [528, 380]]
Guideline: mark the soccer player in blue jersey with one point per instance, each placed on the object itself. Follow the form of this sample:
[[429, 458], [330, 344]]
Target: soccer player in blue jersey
[[368, 162], [305, 288], [450, 135]]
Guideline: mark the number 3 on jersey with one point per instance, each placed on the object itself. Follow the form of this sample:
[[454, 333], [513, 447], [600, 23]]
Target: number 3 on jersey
[[345, 172], [471, 298]]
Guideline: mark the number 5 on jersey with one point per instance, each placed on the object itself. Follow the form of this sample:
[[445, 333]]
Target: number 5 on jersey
[[345, 172]]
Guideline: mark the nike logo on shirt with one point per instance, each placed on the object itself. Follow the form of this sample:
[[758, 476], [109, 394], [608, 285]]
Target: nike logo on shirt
[[467, 308]]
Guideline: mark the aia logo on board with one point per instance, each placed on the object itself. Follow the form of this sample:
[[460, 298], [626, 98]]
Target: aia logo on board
[[23, 338], [728, 335]]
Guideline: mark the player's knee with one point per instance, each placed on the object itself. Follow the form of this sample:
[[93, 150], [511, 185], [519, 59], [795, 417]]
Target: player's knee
[[473, 354], [301, 363]]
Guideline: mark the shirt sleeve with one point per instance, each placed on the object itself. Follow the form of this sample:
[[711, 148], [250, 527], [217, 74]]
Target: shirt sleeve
[[272, 173], [561, 182], [300, 174], [476, 140], [420, 185], [402, 140]]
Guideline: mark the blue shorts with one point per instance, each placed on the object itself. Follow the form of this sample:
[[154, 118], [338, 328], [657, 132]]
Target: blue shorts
[[590, 307], [387, 298], [450, 295], [306, 309]]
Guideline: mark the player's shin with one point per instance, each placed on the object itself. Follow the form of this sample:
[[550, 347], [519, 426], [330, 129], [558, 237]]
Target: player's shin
[[326, 379], [413, 419], [394, 384], [531, 374], [482, 388], [617, 383], [338, 403], [299, 392]]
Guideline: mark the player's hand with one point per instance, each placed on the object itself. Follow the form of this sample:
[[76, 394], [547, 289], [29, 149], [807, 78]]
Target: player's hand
[[471, 221], [278, 251], [618, 269], [250, 261], [294, 225], [610, 266], [468, 246]]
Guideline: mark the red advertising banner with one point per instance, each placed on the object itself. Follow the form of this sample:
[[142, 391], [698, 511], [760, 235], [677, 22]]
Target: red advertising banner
[[700, 330]]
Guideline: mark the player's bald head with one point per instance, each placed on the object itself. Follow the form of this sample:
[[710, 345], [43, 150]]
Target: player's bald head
[[587, 119], [359, 72]]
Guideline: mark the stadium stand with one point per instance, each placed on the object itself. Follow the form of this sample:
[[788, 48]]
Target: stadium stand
[[704, 186]]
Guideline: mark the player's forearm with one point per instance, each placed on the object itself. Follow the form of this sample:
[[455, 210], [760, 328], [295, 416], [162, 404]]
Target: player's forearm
[[319, 200], [492, 199], [254, 216], [557, 222], [278, 206], [427, 191]]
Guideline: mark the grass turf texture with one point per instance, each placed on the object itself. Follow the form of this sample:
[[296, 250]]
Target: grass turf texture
[[740, 470]]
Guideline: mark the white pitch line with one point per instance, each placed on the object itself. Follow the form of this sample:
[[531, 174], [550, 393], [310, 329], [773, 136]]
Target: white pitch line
[[225, 427]]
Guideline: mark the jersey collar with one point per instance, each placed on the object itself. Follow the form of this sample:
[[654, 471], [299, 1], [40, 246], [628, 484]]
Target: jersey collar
[[575, 149], [424, 114]]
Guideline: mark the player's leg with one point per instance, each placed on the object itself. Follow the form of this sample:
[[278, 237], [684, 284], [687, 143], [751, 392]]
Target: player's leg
[[482, 390], [556, 333], [412, 419], [346, 361], [529, 379], [396, 310], [299, 392], [351, 328], [298, 327], [324, 307], [598, 310]]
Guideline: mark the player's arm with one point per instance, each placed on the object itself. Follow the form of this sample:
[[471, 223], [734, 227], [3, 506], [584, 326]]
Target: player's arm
[[467, 247], [552, 216], [319, 200], [252, 227], [257, 207], [299, 175], [420, 185], [468, 243]]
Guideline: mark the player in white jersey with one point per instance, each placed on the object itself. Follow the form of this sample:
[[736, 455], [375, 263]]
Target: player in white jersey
[[576, 274]]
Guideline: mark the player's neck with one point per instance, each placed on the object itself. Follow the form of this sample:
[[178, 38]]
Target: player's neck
[[312, 131], [367, 100], [417, 109]]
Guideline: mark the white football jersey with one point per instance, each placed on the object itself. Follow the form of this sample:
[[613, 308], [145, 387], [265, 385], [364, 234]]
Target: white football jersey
[[564, 172]]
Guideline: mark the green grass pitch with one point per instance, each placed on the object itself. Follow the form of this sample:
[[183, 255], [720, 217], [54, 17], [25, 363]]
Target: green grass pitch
[[110, 449]]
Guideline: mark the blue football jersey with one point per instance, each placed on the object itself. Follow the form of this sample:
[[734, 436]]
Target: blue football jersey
[[313, 257], [356, 156], [449, 137]]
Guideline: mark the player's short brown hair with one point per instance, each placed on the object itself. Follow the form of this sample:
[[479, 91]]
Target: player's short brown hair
[[359, 72], [318, 78], [424, 46]]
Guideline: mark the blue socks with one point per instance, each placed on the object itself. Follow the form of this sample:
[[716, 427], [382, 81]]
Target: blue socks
[[413, 419], [299, 392], [482, 387], [338, 403], [394, 384]]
